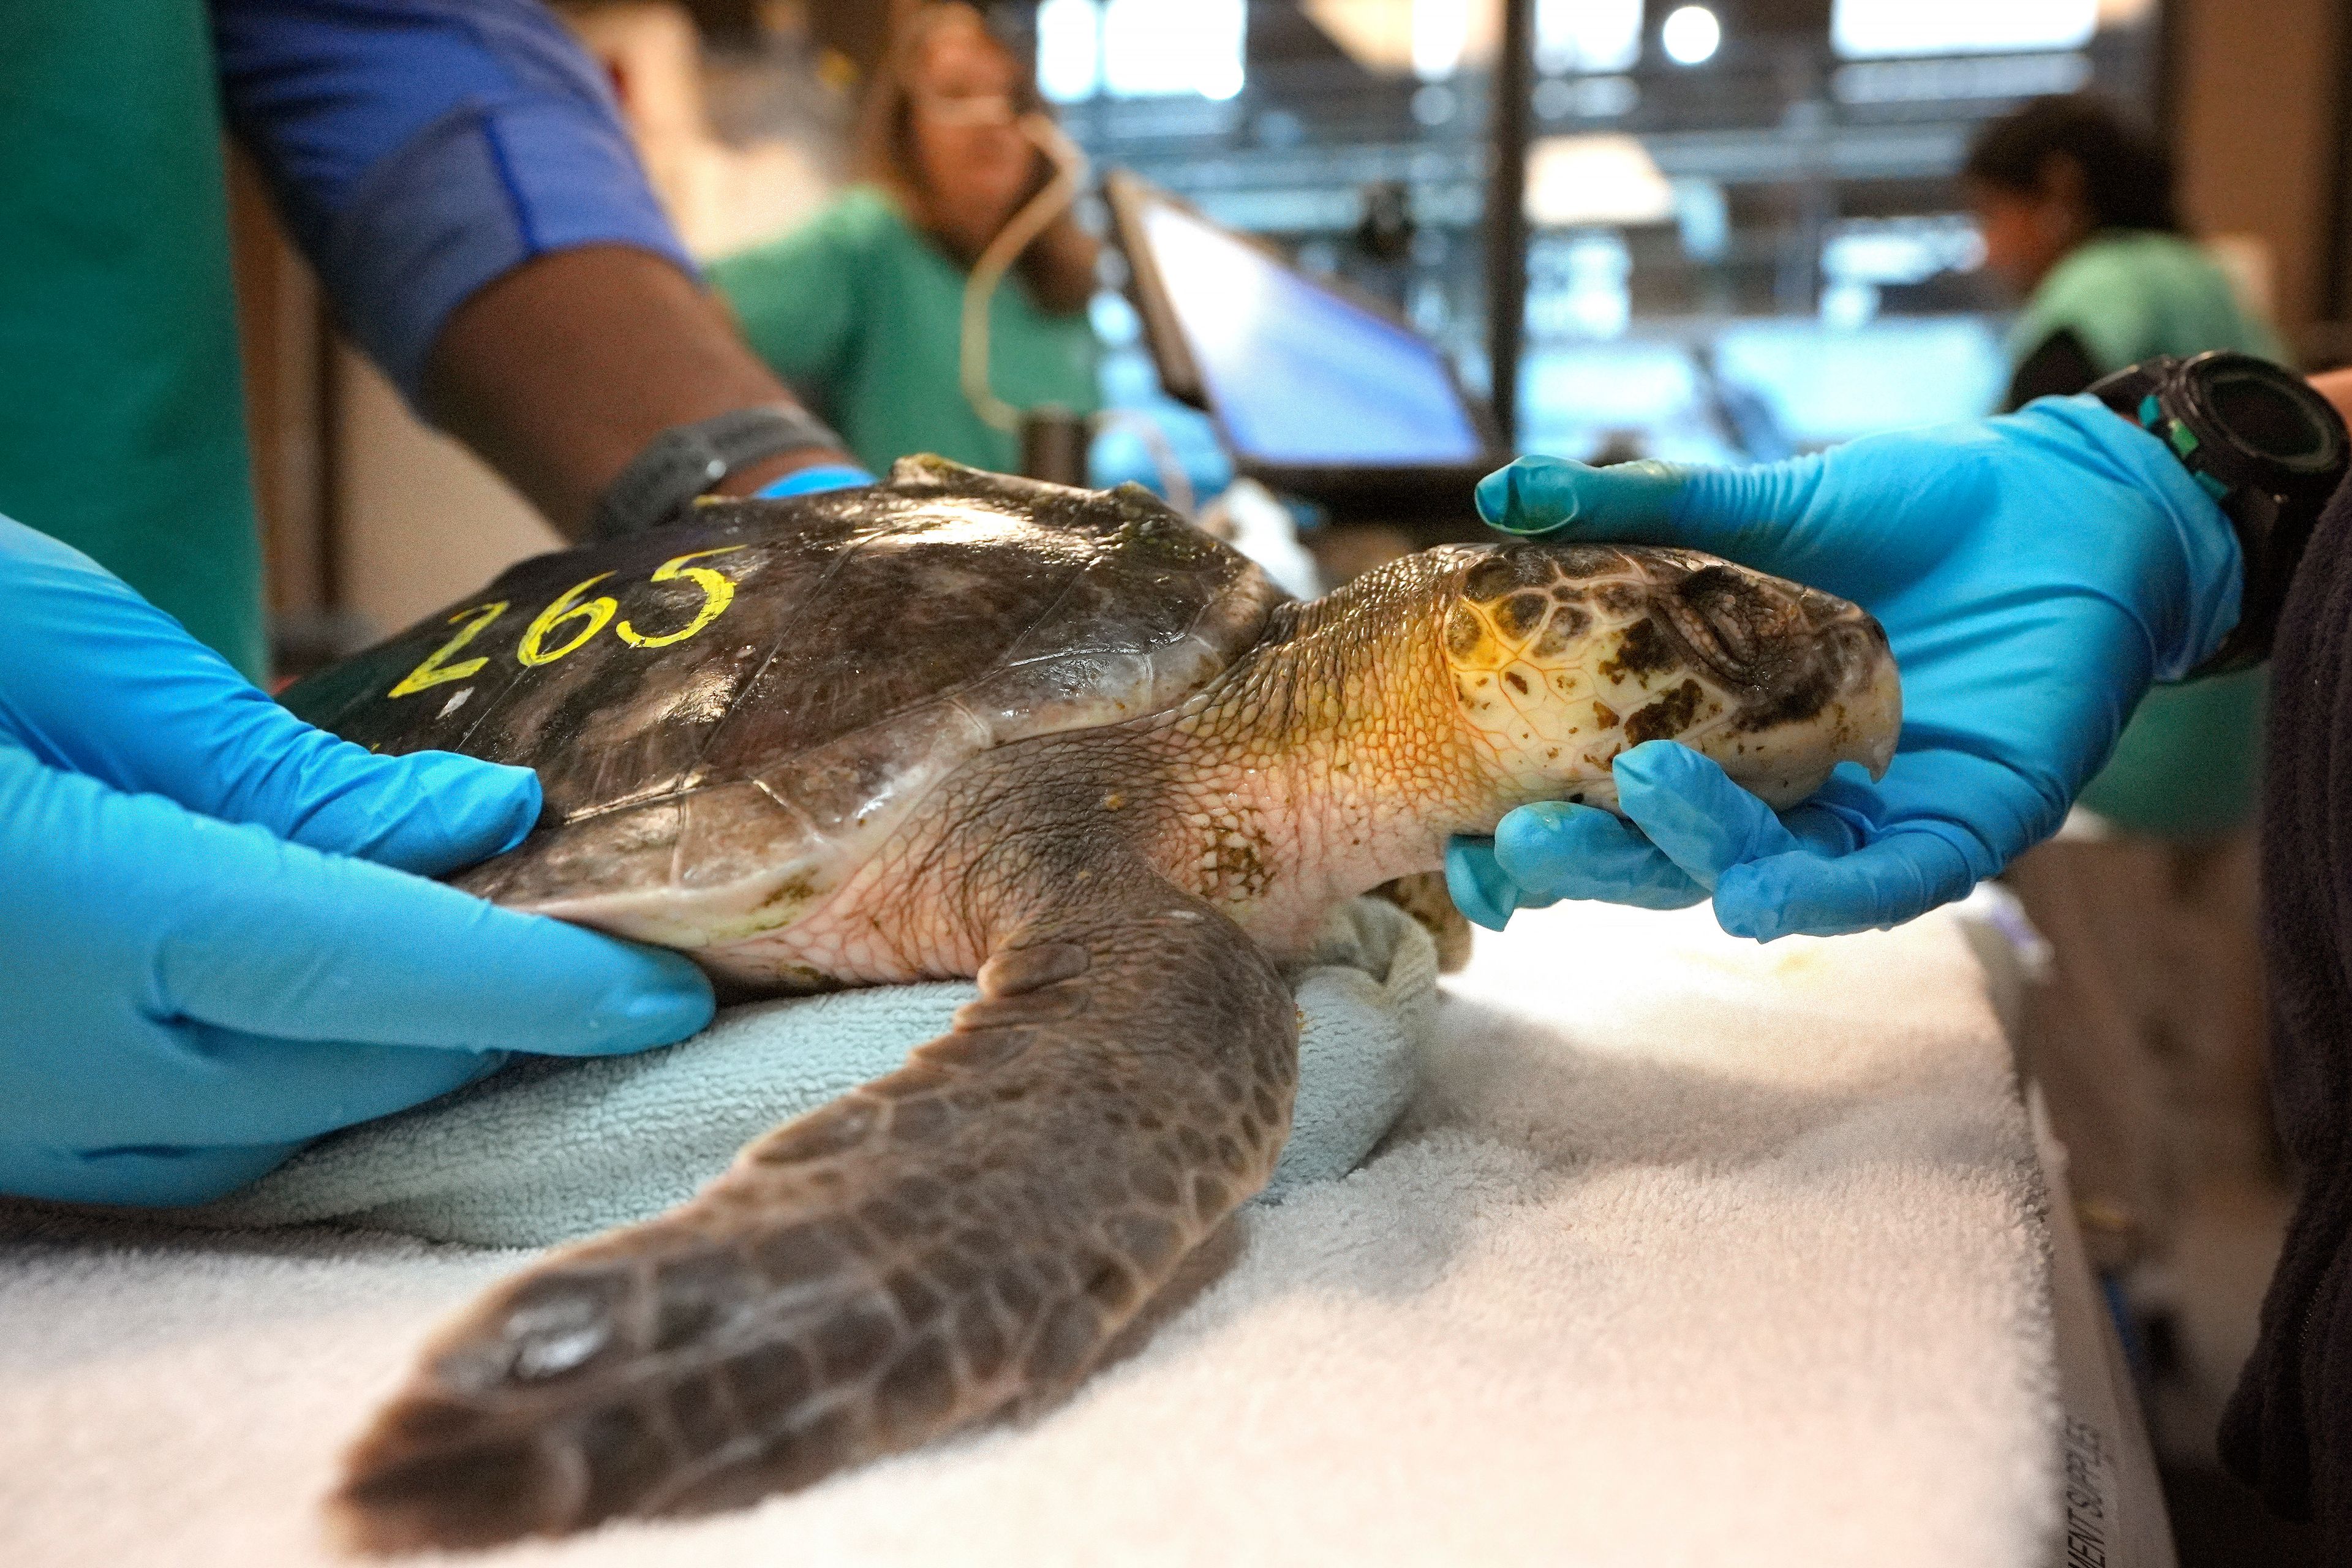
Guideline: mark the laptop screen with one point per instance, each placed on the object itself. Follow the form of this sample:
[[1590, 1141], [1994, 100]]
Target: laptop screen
[[1297, 374]]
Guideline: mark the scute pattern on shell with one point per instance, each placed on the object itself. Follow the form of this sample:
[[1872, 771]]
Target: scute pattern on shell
[[877, 640]]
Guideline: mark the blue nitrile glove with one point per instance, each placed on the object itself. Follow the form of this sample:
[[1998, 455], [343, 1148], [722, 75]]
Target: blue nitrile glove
[[216, 942], [2034, 573]]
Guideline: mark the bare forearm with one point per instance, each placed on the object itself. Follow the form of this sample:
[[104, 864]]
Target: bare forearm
[[2336, 386], [562, 370]]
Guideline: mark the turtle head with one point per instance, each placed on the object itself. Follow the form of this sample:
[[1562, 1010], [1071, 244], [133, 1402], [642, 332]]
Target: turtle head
[[1564, 655]]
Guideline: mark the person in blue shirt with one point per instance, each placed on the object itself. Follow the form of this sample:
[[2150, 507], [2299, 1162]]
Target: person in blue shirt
[[217, 940]]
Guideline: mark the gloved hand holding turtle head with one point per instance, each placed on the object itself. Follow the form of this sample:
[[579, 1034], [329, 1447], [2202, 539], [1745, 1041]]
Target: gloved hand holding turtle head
[[2034, 573]]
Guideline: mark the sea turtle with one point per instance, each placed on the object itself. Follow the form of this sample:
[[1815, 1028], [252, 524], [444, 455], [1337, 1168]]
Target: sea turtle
[[959, 724]]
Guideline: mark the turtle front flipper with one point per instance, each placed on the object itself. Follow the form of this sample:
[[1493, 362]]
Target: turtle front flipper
[[924, 1252]]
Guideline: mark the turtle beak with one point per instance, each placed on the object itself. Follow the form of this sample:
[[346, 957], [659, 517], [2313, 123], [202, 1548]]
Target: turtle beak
[[1882, 722], [1870, 710], [1865, 714]]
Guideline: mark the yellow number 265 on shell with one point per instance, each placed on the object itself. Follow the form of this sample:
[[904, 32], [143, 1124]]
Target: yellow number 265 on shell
[[557, 622]]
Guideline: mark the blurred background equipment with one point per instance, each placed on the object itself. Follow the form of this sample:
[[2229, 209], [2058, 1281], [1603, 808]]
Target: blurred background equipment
[[1762, 250], [1317, 395], [1781, 198]]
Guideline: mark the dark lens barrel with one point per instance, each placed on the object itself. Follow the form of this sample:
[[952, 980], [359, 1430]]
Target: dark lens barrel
[[2257, 423], [2265, 417]]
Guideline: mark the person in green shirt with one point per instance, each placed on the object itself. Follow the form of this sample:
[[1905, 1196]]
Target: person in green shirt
[[860, 310], [2077, 212]]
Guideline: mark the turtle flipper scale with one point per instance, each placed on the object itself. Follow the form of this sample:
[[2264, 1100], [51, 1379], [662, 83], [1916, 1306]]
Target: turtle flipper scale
[[956, 1240]]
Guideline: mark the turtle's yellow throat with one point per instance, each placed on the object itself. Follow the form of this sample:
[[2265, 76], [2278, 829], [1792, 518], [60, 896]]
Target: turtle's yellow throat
[[1334, 757]]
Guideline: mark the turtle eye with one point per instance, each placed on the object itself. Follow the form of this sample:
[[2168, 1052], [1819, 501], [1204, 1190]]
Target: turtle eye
[[1739, 617]]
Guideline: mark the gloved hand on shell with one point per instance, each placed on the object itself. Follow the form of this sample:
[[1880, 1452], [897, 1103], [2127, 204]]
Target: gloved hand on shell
[[216, 938]]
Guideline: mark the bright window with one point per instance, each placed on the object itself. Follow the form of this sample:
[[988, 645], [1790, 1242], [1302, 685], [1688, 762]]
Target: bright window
[[1069, 49], [1867, 27], [1588, 35], [1157, 48], [1441, 35]]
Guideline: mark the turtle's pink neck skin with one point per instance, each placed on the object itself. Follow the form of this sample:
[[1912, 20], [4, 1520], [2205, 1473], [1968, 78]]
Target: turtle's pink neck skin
[[1366, 728]]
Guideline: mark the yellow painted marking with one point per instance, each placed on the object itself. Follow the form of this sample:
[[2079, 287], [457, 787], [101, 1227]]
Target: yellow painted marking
[[433, 672], [717, 593], [530, 651]]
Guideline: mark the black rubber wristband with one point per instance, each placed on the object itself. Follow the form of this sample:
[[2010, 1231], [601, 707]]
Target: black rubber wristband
[[689, 460]]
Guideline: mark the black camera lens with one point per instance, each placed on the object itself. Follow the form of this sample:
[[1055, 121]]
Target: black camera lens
[[2263, 416]]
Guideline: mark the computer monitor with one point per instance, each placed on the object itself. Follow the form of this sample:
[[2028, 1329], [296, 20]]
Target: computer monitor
[[1313, 391]]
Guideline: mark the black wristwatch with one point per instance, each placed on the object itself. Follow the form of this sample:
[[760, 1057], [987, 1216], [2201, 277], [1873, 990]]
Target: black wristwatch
[[689, 460], [2259, 440]]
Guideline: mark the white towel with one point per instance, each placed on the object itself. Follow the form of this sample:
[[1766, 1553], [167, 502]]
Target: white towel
[[1687, 1252], [549, 1151]]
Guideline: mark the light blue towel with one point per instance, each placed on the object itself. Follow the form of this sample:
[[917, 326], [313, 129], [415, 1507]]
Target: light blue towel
[[551, 1151]]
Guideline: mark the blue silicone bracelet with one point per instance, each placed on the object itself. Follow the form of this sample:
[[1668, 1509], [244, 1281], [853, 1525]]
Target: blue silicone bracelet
[[808, 482]]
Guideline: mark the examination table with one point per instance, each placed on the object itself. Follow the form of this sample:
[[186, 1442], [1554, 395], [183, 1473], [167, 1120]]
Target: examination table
[[1684, 1252]]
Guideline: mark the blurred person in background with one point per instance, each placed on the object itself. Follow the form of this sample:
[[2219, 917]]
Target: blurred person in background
[[2077, 208], [2077, 211], [2148, 1042], [861, 308]]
